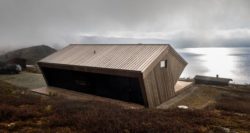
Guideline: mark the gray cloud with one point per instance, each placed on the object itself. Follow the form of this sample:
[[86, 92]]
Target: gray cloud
[[183, 23]]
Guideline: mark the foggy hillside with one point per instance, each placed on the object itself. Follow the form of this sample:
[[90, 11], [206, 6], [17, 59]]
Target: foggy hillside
[[31, 54]]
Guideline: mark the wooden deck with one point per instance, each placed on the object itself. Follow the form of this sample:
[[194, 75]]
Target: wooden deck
[[180, 85], [73, 95]]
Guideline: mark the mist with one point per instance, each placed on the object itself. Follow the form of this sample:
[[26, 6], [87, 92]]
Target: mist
[[182, 23]]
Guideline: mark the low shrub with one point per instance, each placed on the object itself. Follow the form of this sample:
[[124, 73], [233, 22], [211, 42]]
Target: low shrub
[[234, 102], [103, 117], [28, 113], [6, 112]]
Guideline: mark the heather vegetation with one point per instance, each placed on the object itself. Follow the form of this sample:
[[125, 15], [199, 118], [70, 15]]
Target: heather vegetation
[[236, 99], [23, 111]]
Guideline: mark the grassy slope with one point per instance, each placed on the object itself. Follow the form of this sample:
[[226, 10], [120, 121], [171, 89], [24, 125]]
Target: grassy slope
[[205, 96], [24, 112]]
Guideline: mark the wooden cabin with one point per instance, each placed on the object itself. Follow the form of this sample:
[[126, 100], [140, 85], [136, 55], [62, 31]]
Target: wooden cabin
[[140, 73], [211, 80]]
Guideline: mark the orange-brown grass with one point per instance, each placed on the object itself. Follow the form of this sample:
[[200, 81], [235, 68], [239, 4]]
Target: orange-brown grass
[[236, 99], [21, 111]]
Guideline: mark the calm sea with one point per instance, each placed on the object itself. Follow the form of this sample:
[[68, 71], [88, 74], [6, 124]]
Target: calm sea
[[226, 62]]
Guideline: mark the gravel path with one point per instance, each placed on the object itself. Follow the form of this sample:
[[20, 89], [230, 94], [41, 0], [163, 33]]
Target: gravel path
[[25, 79]]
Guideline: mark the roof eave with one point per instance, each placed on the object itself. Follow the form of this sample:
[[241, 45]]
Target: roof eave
[[108, 71]]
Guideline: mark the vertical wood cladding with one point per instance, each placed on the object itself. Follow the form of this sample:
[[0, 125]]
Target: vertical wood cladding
[[160, 82]]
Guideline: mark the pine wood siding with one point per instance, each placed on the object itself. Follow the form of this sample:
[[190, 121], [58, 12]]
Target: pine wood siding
[[139, 63], [160, 82]]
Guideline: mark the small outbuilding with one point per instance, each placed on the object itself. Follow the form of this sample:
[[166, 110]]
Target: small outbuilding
[[140, 73], [211, 80]]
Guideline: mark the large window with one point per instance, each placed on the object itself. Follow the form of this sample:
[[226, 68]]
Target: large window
[[116, 87]]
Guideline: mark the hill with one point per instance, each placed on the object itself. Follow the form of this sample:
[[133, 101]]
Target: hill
[[31, 54]]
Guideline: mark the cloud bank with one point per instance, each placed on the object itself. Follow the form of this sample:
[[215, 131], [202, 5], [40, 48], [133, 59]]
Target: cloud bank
[[182, 23]]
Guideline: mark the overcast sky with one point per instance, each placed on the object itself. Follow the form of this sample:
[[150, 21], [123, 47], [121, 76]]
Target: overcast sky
[[182, 23]]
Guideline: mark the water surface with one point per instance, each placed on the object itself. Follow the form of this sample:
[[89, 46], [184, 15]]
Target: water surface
[[226, 62]]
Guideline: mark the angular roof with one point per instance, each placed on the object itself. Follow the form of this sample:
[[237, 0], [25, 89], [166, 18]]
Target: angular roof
[[136, 57]]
